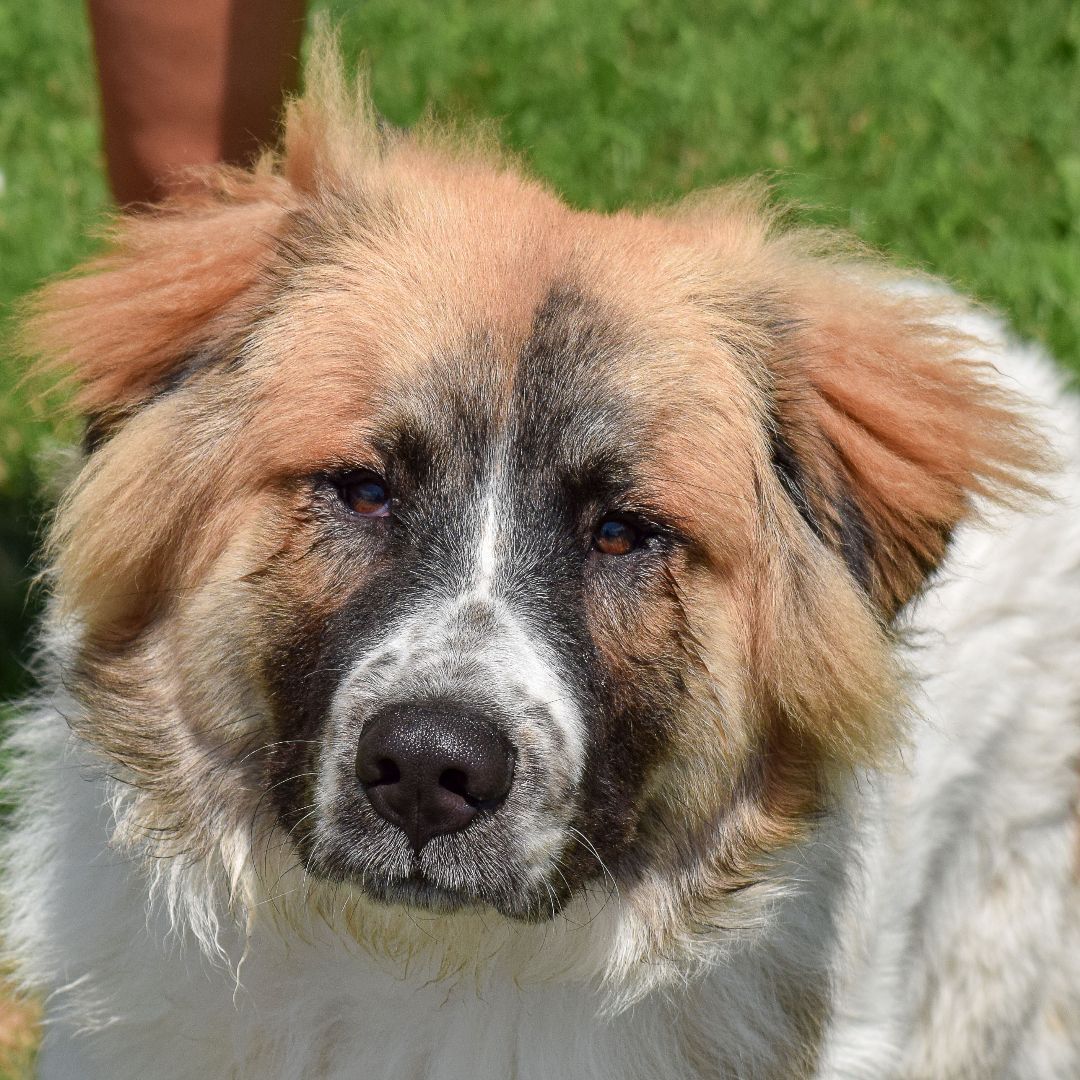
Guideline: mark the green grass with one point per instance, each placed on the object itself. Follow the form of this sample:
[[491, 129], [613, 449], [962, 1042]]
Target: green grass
[[945, 131]]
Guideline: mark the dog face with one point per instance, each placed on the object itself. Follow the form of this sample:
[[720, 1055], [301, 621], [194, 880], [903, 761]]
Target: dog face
[[475, 716], [478, 552]]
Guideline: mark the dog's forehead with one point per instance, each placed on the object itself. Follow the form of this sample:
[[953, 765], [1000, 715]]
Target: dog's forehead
[[578, 345], [548, 400], [356, 360]]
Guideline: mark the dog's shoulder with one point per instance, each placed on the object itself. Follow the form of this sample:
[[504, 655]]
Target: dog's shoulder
[[972, 856]]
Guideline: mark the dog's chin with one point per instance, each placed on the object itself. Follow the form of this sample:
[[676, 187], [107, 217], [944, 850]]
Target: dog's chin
[[418, 892]]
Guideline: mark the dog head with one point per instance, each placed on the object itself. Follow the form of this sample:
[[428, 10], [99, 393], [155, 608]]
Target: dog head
[[476, 552]]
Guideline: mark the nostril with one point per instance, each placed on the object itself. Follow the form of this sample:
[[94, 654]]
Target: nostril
[[456, 781], [388, 772], [377, 770], [478, 795]]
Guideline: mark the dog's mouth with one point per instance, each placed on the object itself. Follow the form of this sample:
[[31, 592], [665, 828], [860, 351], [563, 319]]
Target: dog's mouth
[[419, 891], [433, 807], [446, 885]]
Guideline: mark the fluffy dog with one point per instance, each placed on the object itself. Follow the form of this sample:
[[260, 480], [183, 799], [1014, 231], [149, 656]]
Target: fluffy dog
[[489, 640]]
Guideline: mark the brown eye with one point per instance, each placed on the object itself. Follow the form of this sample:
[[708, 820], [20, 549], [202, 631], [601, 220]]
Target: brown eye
[[613, 536], [365, 494]]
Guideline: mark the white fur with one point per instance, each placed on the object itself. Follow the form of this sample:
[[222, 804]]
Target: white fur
[[953, 949]]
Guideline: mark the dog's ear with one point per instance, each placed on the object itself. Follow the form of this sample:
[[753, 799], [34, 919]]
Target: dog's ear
[[134, 321], [886, 429], [175, 281]]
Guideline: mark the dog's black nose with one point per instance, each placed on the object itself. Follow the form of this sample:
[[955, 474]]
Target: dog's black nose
[[431, 768]]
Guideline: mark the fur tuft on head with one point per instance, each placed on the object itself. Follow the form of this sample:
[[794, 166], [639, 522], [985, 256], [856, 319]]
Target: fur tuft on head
[[331, 136]]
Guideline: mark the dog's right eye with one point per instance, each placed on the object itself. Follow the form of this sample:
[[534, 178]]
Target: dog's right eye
[[365, 493]]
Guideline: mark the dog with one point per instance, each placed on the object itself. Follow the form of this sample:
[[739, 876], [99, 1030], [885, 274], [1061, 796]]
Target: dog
[[492, 640]]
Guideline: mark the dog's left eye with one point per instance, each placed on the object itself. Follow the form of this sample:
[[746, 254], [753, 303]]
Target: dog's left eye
[[365, 493], [617, 536]]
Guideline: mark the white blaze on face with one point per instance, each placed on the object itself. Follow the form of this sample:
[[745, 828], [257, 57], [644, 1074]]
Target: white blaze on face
[[486, 561], [519, 671], [521, 659]]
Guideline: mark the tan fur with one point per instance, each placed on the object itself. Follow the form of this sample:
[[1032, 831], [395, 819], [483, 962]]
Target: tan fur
[[165, 289]]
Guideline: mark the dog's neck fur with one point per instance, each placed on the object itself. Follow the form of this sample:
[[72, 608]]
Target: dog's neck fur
[[312, 994]]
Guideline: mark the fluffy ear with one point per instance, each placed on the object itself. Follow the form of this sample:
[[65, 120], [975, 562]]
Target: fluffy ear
[[172, 288], [886, 429], [131, 322]]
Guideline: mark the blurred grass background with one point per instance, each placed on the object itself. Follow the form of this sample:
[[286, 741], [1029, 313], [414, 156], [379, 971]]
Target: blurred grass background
[[945, 131]]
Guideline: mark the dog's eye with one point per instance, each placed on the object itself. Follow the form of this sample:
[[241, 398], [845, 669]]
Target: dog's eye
[[365, 493], [616, 536]]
